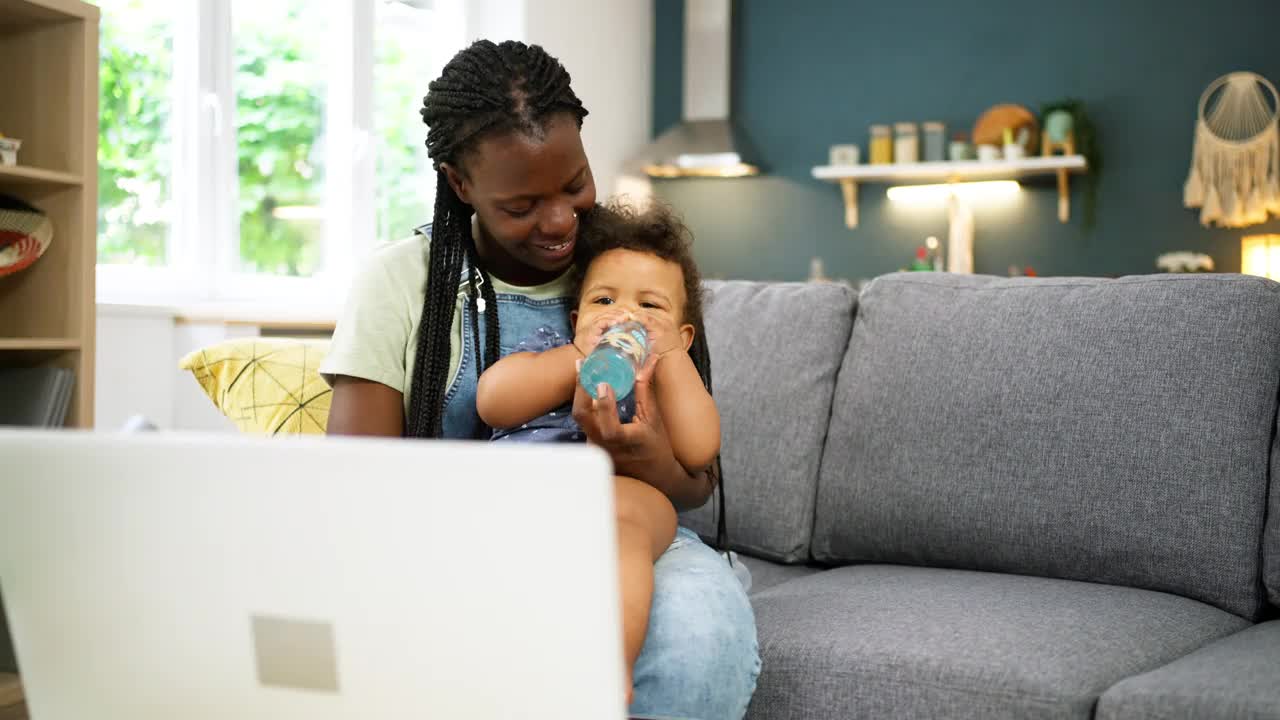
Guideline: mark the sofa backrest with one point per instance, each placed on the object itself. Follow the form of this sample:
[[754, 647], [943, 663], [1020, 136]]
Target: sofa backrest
[[1271, 534], [775, 351], [1115, 431]]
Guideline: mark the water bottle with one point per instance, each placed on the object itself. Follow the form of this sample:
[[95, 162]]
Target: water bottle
[[621, 353]]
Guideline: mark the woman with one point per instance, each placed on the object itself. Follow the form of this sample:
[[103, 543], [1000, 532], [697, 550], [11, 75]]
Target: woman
[[504, 137]]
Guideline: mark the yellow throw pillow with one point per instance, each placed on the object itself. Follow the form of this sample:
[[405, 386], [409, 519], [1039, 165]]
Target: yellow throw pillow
[[265, 385]]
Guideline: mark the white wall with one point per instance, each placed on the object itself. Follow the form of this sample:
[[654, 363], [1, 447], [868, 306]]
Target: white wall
[[607, 47], [495, 20], [134, 367], [137, 373]]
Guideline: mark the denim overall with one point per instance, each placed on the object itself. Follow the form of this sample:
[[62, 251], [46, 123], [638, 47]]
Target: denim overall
[[519, 316], [708, 674]]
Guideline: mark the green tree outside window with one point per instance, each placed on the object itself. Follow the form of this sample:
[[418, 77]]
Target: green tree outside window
[[279, 84]]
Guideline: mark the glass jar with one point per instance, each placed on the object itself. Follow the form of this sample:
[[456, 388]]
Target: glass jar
[[881, 145], [935, 142], [906, 143]]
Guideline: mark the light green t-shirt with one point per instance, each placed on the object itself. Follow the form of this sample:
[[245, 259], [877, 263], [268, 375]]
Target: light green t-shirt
[[376, 337]]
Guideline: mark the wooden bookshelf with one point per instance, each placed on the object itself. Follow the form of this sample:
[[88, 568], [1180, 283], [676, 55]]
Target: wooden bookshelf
[[12, 704], [49, 100]]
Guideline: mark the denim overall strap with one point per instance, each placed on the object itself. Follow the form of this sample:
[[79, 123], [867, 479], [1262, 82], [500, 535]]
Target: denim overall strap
[[519, 317], [461, 421]]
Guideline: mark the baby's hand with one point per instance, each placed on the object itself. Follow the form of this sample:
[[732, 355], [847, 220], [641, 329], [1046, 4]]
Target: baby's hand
[[589, 331], [664, 333]]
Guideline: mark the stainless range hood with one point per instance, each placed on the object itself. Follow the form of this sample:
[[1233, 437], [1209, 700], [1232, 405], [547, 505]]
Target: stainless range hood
[[705, 143]]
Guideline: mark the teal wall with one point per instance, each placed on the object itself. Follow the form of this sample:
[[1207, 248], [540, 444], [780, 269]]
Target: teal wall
[[814, 73]]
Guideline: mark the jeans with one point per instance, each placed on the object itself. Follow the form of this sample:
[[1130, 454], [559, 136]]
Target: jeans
[[700, 658]]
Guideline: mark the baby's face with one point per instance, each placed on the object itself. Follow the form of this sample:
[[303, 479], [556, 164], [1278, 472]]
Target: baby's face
[[633, 282]]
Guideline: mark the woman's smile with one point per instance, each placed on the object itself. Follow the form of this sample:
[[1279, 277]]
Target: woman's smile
[[556, 250]]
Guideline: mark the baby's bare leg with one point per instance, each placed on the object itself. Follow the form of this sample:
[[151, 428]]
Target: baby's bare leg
[[646, 527]]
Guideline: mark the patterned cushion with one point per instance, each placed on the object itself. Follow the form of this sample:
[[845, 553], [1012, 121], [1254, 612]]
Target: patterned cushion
[[267, 386]]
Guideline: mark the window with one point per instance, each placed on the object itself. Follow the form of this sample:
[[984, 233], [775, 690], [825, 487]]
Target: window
[[406, 184], [279, 84], [254, 150], [134, 145]]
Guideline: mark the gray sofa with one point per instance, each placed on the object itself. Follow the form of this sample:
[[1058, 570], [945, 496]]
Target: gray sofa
[[974, 497]]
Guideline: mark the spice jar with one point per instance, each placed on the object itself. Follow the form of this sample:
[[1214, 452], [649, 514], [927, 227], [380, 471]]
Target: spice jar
[[906, 143], [881, 145], [934, 142]]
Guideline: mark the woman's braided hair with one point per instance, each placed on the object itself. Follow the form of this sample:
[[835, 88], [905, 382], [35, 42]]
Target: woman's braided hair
[[657, 230], [487, 89]]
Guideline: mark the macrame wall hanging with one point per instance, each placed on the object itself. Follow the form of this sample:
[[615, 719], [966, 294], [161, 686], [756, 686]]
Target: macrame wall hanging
[[1235, 165]]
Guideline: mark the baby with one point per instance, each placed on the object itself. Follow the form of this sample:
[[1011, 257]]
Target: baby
[[635, 265]]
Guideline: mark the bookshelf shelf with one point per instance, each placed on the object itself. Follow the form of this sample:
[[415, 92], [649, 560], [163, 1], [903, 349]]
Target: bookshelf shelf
[[16, 175], [26, 15], [35, 343]]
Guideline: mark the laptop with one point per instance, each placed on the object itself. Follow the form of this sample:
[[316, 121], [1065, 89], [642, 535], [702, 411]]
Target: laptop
[[158, 576]]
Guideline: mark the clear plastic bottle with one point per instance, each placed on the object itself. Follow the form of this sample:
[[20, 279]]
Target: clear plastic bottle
[[621, 352], [935, 254]]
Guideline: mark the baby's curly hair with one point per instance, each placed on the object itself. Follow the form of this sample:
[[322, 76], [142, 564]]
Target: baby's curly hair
[[653, 229]]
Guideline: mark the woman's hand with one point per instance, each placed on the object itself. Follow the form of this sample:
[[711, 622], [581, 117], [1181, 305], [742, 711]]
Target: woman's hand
[[640, 448]]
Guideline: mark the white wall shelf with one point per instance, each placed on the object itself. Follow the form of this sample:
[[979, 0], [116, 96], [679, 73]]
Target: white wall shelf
[[849, 176]]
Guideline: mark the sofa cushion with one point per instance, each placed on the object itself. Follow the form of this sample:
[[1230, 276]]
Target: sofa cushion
[[268, 386], [766, 574], [1271, 535], [1236, 677], [1107, 430], [877, 641], [775, 350]]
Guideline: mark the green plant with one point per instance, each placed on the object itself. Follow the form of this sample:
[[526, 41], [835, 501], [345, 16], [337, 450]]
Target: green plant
[[280, 112], [134, 148], [1086, 137]]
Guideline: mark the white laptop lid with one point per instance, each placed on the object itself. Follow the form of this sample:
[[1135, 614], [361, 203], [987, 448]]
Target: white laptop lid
[[173, 576]]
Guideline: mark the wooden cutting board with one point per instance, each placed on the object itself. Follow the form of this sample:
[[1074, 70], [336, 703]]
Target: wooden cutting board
[[989, 130]]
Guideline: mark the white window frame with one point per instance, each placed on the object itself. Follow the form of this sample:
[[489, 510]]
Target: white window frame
[[202, 250]]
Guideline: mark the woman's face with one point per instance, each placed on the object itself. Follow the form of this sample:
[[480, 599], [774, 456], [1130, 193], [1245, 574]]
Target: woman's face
[[527, 193]]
